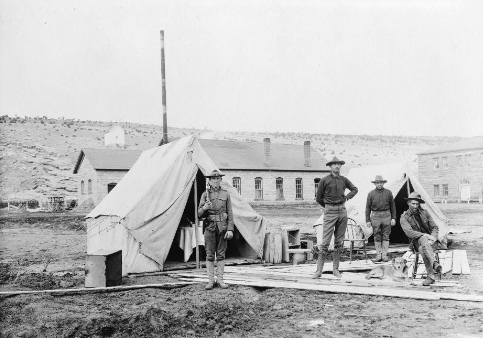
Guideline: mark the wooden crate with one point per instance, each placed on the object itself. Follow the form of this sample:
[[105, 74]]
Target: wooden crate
[[103, 268]]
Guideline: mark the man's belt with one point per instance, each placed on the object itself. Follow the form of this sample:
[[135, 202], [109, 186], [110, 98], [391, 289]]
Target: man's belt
[[334, 204], [381, 210], [216, 218]]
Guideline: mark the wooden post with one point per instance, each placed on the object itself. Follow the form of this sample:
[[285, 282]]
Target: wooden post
[[196, 224]]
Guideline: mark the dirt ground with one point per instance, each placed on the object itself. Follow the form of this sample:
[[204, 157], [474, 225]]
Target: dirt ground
[[48, 253]]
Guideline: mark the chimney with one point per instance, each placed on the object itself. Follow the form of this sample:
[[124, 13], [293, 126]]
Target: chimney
[[163, 90], [266, 144], [308, 162]]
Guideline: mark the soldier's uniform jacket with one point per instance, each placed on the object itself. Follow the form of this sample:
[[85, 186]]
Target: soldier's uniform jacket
[[413, 230], [221, 213]]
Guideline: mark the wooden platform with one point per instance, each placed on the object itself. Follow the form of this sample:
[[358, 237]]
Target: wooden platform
[[454, 261], [353, 281]]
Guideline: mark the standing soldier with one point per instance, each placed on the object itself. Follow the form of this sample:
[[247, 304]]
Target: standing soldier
[[331, 196], [381, 215], [215, 206]]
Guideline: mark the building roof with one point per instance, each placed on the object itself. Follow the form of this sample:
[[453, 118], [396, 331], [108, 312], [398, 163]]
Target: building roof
[[108, 159], [237, 155], [465, 144], [228, 155]]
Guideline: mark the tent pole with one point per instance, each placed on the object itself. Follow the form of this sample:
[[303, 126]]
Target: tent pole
[[196, 224], [407, 184]]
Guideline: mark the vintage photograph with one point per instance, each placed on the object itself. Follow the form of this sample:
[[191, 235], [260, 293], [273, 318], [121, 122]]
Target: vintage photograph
[[271, 168]]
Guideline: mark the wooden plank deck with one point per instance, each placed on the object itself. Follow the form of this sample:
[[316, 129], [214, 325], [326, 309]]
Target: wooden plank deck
[[299, 277]]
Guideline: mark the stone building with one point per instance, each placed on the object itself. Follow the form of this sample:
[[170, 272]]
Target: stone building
[[99, 170], [453, 172], [261, 172]]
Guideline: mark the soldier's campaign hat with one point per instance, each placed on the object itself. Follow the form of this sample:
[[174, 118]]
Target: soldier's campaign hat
[[414, 196], [334, 161], [214, 173], [379, 179]]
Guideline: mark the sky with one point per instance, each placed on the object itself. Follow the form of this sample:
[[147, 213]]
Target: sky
[[398, 67]]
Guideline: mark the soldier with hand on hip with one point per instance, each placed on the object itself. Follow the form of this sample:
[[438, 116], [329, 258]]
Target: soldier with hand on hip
[[331, 196]]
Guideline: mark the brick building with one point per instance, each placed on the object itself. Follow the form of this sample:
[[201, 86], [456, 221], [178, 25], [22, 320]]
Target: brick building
[[453, 172], [261, 172], [269, 171]]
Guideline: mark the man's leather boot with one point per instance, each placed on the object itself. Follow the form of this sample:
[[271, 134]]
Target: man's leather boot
[[220, 269], [210, 267], [378, 252], [335, 269], [320, 264], [428, 281]]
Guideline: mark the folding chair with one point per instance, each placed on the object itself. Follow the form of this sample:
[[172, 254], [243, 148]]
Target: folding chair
[[350, 236]]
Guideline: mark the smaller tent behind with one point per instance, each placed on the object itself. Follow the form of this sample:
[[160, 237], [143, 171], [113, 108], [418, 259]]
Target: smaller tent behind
[[141, 215], [400, 181]]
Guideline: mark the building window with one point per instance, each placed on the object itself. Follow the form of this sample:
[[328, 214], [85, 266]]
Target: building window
[[445, 190], [299, 189], [444, 162], [110, 186], [82, 188], [436, 163], [468, 160], [237, 184], [436, 190], [279, 188], [258, 188], [316, 184], [89, 187], [459, 161]]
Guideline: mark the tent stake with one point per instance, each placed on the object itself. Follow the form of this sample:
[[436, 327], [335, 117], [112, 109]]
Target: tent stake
[[196, 225]]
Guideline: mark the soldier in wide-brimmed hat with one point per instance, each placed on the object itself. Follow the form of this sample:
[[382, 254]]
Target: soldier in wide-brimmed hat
[[331, 196], [422, 233], [215, 206], [381, 216]]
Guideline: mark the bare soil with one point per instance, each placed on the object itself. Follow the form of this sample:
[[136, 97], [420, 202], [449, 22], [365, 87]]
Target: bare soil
[[48, 253]]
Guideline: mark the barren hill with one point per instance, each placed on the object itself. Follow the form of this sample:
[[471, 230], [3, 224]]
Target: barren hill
[[38, 154]]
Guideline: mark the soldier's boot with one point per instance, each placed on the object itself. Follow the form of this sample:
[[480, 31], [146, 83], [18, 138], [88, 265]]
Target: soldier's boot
[[378, 252], [335, 269], [385, 249], [220, 269], [210, 267], [320, 264]]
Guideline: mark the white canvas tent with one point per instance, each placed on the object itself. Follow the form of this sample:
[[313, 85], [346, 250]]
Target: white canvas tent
[[401, 181], [141, 215]]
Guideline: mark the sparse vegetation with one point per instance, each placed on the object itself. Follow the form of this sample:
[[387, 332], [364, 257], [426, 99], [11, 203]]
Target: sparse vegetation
[[42, 159]]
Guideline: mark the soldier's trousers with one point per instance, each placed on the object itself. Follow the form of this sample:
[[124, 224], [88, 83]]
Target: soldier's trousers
[[427, 251], [335, 223], [381, 225], [215, 242]]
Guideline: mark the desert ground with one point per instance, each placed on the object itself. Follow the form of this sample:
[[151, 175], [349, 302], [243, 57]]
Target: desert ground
[[47, 252]]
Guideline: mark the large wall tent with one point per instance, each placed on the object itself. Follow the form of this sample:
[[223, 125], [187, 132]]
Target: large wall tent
[[142, 214]]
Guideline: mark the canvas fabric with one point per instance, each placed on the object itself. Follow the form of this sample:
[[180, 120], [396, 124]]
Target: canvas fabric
[[146, 206]]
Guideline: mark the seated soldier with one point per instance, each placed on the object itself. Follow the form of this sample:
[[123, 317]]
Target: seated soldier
[[422, 233]]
